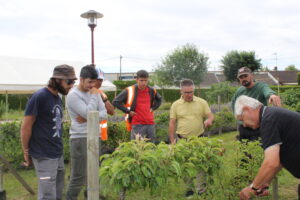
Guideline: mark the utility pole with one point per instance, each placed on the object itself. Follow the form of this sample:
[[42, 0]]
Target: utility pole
[[275, 61], [120, 76]]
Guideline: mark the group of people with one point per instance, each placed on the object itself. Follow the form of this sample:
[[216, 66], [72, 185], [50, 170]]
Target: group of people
[[41, 130]]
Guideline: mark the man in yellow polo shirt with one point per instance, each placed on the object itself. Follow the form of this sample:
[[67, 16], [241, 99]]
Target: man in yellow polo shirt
[[191, 114]]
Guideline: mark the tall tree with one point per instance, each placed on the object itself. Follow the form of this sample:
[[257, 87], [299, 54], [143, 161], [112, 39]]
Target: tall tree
[[234, 60], [183, 62], [291, 68]]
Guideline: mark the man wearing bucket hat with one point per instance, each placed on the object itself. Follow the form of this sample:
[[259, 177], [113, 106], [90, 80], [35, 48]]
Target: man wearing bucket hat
[[257, 90], [41, 132]]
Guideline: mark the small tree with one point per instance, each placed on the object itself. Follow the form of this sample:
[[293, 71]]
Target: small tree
[[298, 78], [291, 68], [183, 62], [234, 60], [222, 89]]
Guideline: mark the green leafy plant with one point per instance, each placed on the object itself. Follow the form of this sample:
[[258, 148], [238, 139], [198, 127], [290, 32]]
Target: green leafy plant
[[140, 165], [2, 108], [10, 142]]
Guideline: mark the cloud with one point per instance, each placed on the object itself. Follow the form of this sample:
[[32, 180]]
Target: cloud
[[145, 31]]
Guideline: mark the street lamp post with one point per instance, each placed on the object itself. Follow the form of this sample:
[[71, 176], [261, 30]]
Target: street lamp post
[[92, 16]]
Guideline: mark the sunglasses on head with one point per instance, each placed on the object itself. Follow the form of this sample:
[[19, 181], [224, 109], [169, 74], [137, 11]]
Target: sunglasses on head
[[70, 81]]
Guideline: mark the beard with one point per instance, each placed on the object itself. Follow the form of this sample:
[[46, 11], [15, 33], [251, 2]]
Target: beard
[[246, 83], [62, 90]]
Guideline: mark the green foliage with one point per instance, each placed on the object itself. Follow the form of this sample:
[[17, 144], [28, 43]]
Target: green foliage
[[117, 134], [246, 158], [140, 165], [291, 98], [2, 108], [162, 126], [183, 62], [291, 68], [234, 60], [223, 119], [222, 89], [65, 140], [10, 143], [298, 78], [16, 101], [123, 84]]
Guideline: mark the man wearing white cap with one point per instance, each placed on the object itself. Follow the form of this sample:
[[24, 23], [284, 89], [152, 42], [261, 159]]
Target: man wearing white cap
[[109, 107]]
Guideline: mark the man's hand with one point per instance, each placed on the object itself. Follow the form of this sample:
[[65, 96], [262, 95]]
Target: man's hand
[[94, 90], [246, 193], [27, 158], [275, 100], [80, 119], [131, 114], [207, 123]]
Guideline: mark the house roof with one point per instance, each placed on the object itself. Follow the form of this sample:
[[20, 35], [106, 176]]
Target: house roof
[[286, 77]]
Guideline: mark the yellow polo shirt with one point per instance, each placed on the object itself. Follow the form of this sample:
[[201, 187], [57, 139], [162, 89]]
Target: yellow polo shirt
[[189, 116]]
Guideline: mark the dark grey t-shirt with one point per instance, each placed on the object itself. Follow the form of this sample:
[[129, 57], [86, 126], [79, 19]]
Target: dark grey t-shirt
[[282, 126]]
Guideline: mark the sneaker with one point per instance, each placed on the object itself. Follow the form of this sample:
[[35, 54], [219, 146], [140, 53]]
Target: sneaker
[[189, 194]]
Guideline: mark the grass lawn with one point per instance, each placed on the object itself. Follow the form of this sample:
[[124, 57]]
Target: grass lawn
[[287, 184]]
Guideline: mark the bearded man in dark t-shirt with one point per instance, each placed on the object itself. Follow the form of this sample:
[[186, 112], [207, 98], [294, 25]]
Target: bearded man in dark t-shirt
[[280, 135], [257, 90], [41, 132]]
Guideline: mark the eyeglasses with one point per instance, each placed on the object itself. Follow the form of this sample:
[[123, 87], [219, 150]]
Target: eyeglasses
[[70, 81], [188, 92]]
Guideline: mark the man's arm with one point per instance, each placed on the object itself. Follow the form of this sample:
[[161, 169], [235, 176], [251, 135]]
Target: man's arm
[[157, 101], [109, 107], [172, 127], [269, 168], [209, 120], [26, 131], [120, 100]]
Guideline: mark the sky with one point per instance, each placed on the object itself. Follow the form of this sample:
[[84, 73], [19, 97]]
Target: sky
[[143, 32]]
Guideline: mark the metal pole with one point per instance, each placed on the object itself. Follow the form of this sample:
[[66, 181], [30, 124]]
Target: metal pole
[[6, 104], [120, 77], [92, 32], [93, 155]]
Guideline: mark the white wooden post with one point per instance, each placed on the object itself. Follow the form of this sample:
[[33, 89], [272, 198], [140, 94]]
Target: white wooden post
[[1, 179], [93, 155], [275, 188]]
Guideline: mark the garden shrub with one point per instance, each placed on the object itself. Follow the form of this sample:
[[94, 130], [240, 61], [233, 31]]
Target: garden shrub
[[123, 84], [2, 108], [162, 127], [291, 99], [222, 89], [246, 159], [10, 143], [140, 165]]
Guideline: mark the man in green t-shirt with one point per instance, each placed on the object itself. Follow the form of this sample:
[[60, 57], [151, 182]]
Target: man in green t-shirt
[[257, 90]]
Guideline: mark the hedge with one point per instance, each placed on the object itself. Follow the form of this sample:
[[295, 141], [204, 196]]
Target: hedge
[[18, 101]]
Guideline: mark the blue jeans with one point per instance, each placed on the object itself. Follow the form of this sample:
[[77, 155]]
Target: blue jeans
[[51, 174]]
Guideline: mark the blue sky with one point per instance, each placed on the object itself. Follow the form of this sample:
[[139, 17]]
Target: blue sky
[[144, 31]]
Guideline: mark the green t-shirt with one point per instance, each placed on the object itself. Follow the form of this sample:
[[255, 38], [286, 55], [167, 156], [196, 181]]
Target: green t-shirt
[[259, 91]]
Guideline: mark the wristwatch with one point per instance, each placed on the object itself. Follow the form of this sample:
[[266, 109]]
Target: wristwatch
[[253, 188], [105, 100]]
